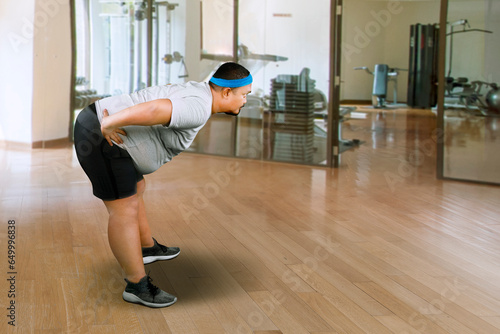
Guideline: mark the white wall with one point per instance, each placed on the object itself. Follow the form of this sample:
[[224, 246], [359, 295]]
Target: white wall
[[378, 32], [303, 37], [287, 28], [16, 70], [52, 71], [35, 70]]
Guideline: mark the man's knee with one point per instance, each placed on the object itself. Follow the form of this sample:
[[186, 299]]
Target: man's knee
[[123, 207], [141, 187]]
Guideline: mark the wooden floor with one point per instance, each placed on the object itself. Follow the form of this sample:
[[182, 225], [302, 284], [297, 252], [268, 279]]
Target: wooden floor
[[376, 246]]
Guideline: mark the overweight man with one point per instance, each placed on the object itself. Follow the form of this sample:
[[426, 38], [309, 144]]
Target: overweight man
[[121, 138]]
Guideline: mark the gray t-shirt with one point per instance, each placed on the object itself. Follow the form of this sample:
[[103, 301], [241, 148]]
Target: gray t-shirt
[[152, 146]]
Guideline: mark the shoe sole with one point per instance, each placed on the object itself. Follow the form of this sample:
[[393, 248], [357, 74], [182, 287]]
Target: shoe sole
[[131, 298], [151, 259]]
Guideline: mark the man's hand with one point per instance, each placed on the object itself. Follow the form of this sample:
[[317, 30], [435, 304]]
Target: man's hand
[[109, 132]]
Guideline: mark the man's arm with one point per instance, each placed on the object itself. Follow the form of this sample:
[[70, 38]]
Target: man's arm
[[146, 114]]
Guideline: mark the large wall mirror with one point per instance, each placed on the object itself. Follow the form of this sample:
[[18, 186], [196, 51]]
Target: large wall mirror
[[471, 112]]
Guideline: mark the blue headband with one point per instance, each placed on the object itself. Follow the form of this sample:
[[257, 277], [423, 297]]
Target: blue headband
[[232, 83]]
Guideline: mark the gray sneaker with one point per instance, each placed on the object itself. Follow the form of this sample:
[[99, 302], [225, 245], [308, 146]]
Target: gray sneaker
[[147, 294], [158, 253]]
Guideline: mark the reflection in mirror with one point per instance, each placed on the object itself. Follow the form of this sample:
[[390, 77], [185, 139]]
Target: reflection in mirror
[[284, 118], [472, 94], [379, 46]]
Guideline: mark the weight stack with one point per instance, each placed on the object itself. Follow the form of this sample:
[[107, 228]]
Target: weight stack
[[422, 69], [292, 117]]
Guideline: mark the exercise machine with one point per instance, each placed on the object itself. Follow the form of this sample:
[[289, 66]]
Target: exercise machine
[[382, 75], [480, 102], [422, 64], [478, 97]]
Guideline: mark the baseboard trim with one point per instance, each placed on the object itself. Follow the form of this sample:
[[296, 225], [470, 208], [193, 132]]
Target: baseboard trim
[[15, 145], [54, 143], [358, 102]]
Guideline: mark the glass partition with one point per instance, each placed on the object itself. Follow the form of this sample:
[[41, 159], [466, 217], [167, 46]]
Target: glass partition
[[123, 46], [289, 58], [471, 111], [291, 61]]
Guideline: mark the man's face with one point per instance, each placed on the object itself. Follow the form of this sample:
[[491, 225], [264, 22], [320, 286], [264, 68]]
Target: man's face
[[237, 99]]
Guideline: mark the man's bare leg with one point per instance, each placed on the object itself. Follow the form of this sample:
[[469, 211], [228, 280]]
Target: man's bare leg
[[124, 236], [145, 231]]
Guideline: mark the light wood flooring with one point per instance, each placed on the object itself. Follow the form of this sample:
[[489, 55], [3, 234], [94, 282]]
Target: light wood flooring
[[376, 246]]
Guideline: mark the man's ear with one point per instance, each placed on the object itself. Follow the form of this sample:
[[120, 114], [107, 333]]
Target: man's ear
[[225, 92]]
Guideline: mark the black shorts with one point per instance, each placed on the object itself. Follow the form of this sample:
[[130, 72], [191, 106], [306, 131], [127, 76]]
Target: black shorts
[[109, 168]]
